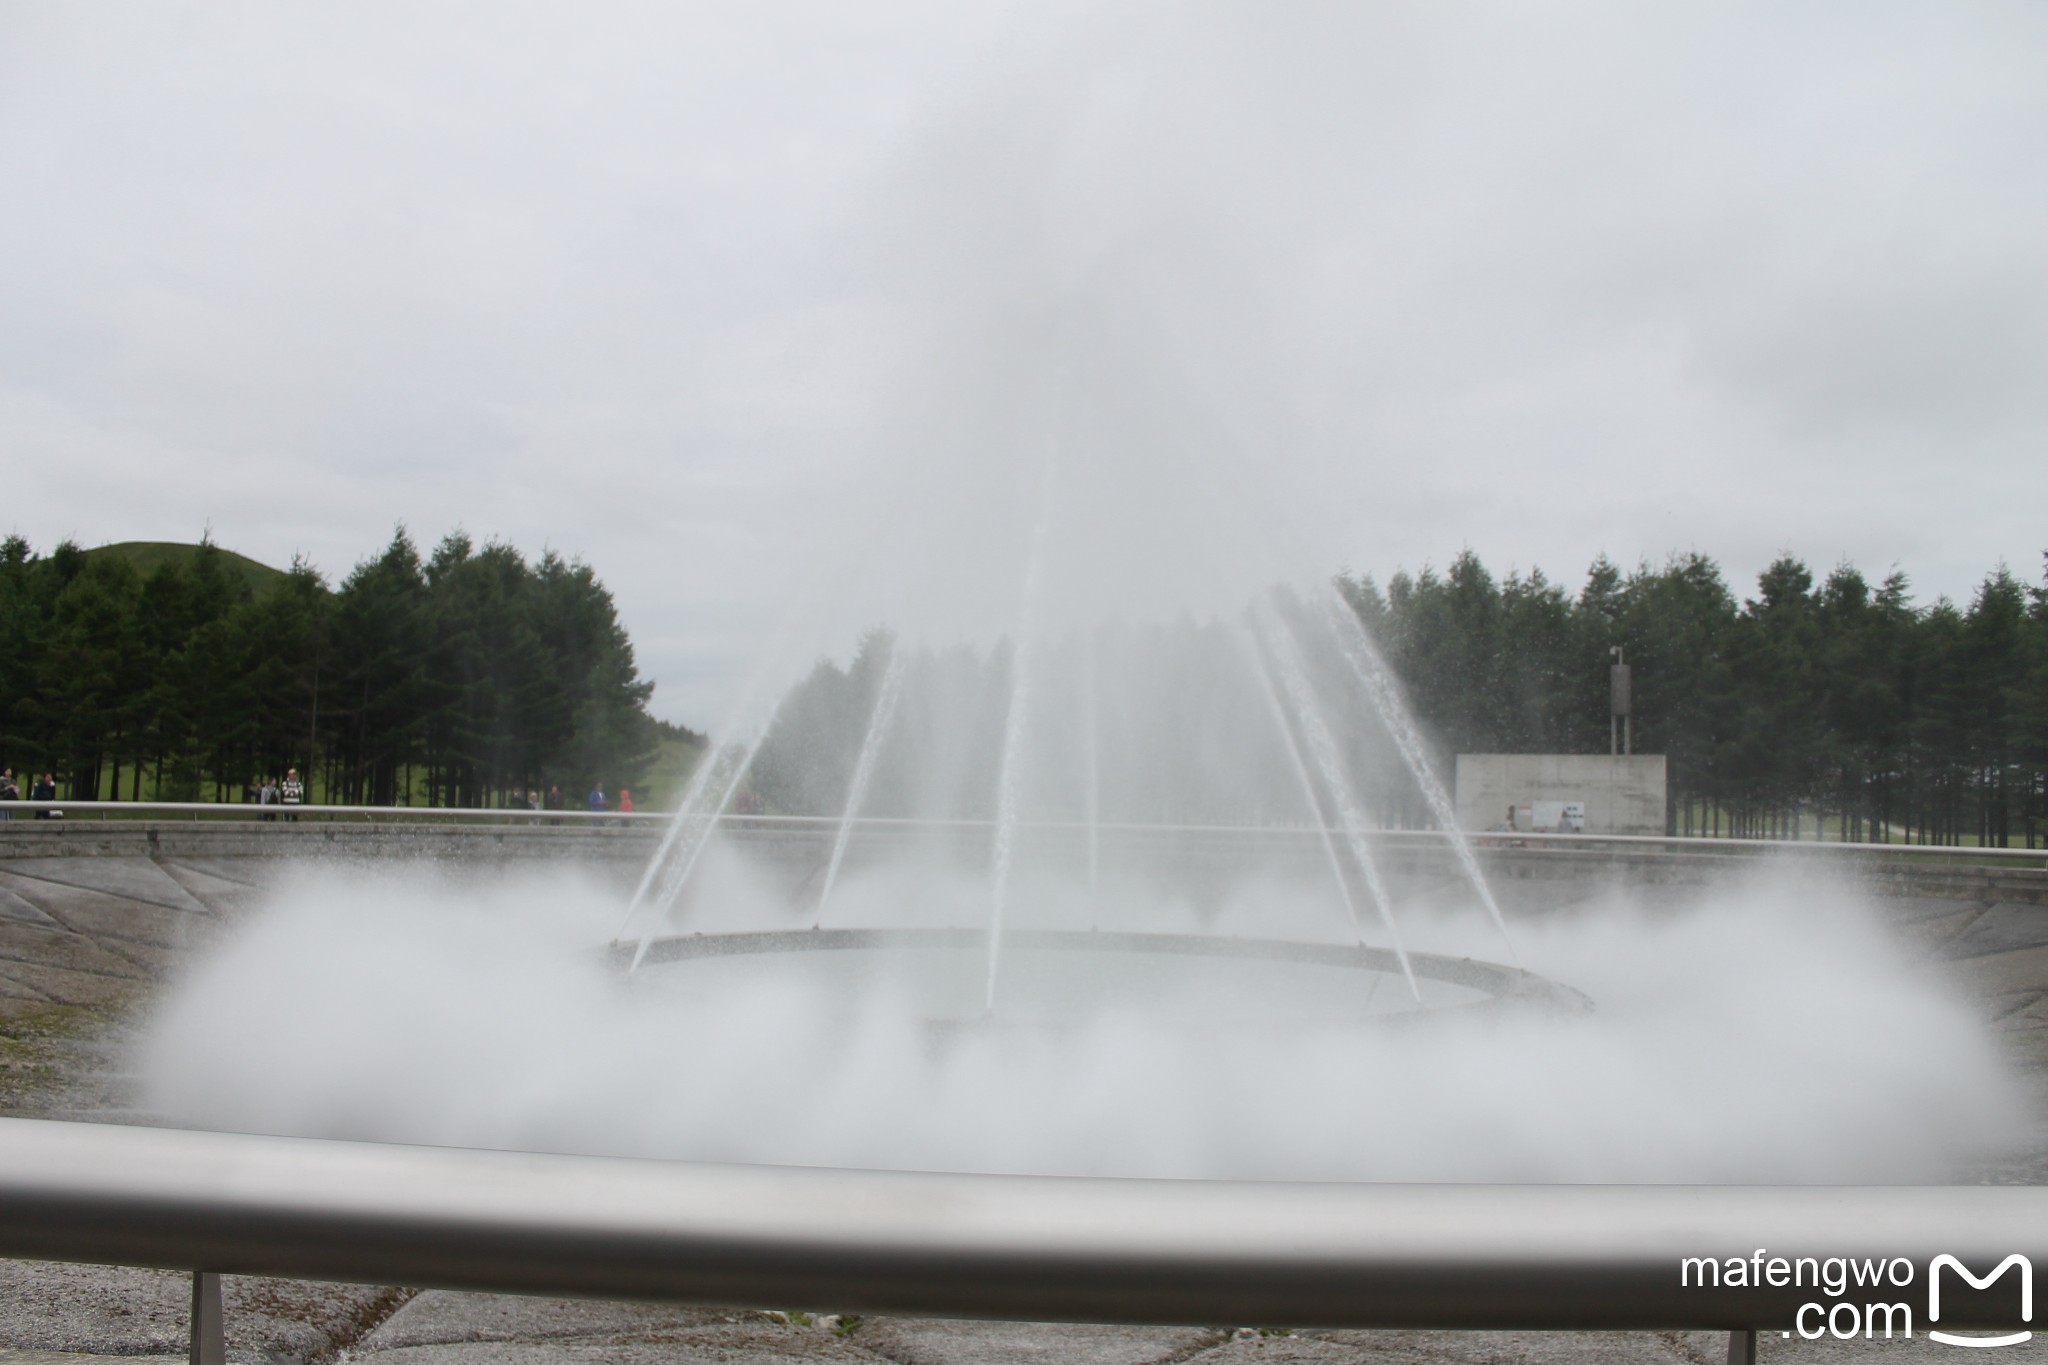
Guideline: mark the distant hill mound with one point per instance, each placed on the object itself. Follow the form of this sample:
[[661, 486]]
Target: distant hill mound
[[148, 555]]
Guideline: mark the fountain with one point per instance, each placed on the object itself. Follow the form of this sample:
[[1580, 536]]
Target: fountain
[[935, 792], [1130, 738], [1107, 855]]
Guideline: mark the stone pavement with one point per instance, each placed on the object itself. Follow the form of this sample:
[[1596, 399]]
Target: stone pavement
[[83, 940]]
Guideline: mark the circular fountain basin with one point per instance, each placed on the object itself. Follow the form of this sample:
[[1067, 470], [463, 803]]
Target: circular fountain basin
[[1050, 976]]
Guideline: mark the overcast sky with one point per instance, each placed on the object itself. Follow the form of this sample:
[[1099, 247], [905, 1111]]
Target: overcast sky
[[698, 293]]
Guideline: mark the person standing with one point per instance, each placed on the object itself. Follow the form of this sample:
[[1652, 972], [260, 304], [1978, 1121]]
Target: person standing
[[598, 803], [291, 793], [10, 790], [44, 789]]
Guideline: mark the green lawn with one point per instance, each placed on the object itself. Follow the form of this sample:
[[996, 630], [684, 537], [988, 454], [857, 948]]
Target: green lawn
[[148, 555], [662, 788]]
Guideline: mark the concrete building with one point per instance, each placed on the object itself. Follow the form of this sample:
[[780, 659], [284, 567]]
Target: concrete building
[[1562, 793]]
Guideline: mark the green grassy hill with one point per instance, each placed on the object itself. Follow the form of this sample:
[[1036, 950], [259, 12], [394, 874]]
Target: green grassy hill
[[676, 756], [147, 555]]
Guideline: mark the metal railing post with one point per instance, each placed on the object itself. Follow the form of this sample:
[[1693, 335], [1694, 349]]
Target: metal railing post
[[209, 1335], [1742, 1347]]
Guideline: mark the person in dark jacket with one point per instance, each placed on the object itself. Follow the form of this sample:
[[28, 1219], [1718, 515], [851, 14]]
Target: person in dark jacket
[[45, 789]]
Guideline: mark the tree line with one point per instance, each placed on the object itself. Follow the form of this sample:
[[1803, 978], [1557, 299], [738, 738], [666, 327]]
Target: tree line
[[1833, 705], [464, 676], [456, 679]]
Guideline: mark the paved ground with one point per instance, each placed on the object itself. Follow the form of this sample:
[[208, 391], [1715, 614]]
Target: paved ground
[[83, 942]]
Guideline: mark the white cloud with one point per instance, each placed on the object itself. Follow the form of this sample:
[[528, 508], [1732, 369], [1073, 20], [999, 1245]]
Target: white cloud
[[670, 288]]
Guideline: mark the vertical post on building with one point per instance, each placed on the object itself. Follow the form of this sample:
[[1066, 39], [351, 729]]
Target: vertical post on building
[[1742, 1347], [1619, 738], [209, 1335]]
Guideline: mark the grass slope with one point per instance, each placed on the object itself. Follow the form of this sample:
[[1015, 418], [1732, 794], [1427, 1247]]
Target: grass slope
[[147, 555], [676, 756]]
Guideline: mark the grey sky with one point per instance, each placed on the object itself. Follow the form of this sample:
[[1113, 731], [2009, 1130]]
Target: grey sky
[[685, 290]]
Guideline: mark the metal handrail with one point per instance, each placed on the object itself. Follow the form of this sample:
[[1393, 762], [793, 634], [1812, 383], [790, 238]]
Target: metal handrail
[[1522, 1257]]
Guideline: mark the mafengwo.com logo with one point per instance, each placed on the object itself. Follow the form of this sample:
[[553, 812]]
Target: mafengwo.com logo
[[1870, 1298]]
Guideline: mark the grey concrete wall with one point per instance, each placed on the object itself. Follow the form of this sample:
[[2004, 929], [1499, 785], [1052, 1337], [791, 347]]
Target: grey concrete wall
[[1623, 795], [1412, 862], [325, 838]]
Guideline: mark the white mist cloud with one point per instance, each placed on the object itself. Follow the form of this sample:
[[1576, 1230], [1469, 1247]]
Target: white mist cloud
[[1764, 1033]]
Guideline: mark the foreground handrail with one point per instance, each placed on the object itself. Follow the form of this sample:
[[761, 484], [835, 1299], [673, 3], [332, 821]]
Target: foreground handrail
[[1043, 1248]]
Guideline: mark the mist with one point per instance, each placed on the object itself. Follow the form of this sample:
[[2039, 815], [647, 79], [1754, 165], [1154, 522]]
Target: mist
[[1767, 1032]]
